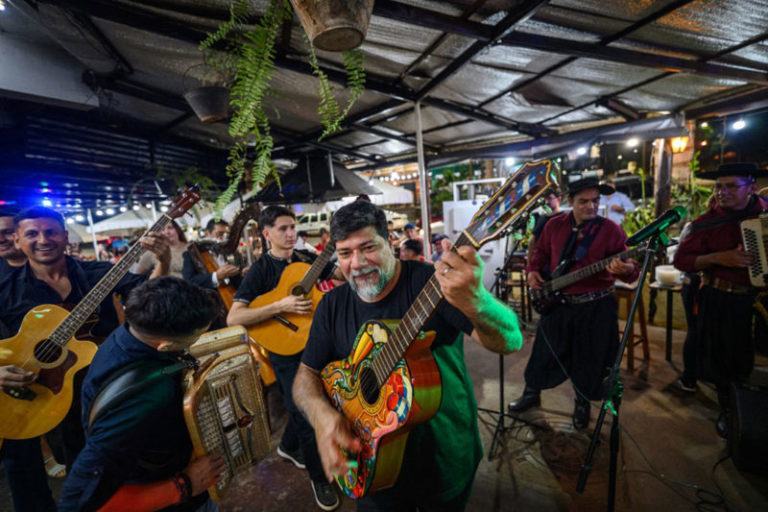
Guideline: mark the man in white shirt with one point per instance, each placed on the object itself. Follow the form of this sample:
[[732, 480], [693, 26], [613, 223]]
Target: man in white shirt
[[616, 206]]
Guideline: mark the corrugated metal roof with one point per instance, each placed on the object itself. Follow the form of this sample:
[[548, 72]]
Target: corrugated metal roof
[[553, 69]]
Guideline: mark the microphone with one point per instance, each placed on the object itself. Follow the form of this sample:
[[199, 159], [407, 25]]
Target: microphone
[[666, 219]]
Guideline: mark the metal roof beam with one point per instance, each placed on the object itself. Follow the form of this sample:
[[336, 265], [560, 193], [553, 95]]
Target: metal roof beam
[[152, 23], [620, 108], [519, 15], [482, 115], [631, 57], [432, 19], [328, 147], [391, 136], [137, 18], [756, 39]]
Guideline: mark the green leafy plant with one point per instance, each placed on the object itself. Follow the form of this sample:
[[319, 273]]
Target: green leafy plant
[[252, 52], [638, 218], [329, 111]]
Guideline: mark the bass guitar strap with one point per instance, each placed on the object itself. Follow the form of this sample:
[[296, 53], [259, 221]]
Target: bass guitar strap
[[572, 253]]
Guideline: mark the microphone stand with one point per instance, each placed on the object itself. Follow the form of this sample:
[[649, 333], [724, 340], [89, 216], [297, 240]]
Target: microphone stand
[[500, 428], [612, 402]]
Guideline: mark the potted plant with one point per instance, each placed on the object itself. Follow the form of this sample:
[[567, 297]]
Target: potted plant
[[250, 53], [334, 25]]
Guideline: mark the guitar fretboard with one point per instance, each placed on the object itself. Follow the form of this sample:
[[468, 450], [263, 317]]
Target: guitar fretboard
[[309, 279], [411, 324], [584, 272], [77, 317]]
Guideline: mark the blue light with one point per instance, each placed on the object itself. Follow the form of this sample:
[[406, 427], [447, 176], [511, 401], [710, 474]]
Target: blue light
[[47, 202]]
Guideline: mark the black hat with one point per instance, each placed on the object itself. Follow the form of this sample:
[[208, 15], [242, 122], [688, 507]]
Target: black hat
[[578, 185], [744, 169]]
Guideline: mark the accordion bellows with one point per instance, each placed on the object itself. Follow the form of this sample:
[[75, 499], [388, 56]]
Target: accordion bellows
[[223, 403]]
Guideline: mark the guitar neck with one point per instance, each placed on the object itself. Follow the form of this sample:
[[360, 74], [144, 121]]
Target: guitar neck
[[85, 308], [584, 272], [412, 323], [309, 279]]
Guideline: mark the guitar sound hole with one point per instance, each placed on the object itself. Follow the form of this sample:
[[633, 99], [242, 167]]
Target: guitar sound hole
[[47, 351], [369, 386]]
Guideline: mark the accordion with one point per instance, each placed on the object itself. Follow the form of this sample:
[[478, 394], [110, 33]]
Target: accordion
[[224, 405], [755, 235]]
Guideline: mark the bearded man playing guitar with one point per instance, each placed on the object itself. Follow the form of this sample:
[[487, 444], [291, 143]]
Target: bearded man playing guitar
[[298, 442], [51, 277], [441, 454], [580, 336]]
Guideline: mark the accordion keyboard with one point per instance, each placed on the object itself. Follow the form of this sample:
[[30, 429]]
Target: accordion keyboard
[[754, 233]]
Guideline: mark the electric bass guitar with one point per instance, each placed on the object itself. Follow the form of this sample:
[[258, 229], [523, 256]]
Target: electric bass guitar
[[390, 382], [47, 344], [550, 296], [287, 333]]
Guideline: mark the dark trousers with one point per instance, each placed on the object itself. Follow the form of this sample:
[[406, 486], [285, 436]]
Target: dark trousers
[[401, 499], [584, 339], [23, 462], [724, 328], [298, 432], [690, 346]]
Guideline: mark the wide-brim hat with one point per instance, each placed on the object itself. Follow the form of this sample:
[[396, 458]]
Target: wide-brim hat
[[578, 185], [743, 169]]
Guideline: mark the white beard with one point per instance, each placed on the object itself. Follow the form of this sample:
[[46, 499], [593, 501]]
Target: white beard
[[370, 291]]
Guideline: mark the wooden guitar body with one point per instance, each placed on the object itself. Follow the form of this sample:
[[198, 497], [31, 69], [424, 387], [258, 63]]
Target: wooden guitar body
[[288, 334], [35, 409], [226, 291], [382, 417]]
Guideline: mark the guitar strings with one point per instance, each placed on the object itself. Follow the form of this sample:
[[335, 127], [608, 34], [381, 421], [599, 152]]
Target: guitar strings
[[51, 346]]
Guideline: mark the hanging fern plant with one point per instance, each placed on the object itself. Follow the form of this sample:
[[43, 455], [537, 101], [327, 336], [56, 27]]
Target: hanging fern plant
[[329, 111], [253, 53]]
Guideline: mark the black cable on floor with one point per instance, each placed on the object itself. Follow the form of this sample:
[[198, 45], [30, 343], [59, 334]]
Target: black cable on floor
[[708, 500]]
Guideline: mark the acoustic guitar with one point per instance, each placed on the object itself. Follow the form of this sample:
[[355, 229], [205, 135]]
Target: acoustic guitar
[[390, 382], [47, 344], [204, 253], [287, 333], [550, 296]]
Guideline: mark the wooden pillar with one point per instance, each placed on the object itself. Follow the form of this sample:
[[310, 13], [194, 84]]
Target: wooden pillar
[[662, 175]]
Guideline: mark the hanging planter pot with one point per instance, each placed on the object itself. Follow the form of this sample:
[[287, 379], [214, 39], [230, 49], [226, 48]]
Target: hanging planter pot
[[334, 25], [209, 103]]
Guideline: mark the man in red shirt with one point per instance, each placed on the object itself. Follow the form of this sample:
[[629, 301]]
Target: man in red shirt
[[714, 248], [579, 339]]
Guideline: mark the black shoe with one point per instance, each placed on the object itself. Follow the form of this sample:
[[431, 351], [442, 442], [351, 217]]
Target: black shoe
[[294, 456], [687, 383], [722, 425], [581, 414], [530, 398], [325, 495]]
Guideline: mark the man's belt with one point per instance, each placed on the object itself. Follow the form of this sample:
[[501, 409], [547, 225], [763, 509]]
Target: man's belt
[[726, 286], [587, 297]]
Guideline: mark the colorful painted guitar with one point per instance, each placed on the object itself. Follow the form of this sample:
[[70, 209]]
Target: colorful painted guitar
[[390, 382], [287, 333], [47, 344]]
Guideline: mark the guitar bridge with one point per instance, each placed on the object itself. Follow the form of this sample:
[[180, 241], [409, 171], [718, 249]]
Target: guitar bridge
[[22, 393]]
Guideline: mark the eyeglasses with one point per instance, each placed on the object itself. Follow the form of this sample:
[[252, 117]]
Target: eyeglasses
[[730, 187]]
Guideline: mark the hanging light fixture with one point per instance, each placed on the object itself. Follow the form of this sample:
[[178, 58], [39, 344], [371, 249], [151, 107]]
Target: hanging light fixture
[[679, 144]]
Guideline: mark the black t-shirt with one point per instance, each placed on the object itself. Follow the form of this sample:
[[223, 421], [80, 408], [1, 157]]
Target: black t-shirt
[[442, 454], [21, 291], [341, 313], [5, 268], [264, 275]]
